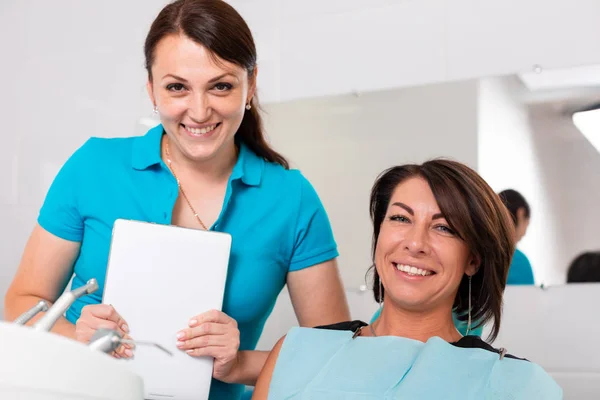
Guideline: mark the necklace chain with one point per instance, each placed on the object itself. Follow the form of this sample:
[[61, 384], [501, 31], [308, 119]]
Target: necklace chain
[[372, 330], [189, 203]]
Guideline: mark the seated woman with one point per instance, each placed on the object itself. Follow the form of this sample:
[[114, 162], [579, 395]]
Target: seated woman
[[442, 242]]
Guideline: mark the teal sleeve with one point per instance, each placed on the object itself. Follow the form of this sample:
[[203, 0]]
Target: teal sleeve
[[313, 236], [60, 213], [520, 271]]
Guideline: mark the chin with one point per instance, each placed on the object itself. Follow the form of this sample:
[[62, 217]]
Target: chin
[[416, 303], [201, 154]]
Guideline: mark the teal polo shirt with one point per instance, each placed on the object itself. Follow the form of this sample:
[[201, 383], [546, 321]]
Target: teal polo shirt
[[275, 218]]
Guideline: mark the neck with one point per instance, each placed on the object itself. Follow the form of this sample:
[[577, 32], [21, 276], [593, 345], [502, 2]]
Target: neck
[[417, 325], [213, 170]]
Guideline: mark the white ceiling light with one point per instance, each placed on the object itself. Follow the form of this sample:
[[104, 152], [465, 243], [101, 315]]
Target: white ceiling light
[[588, 123]]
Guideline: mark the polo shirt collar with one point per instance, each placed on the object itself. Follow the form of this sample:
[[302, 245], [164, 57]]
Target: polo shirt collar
[[146, 153], [146, 149]]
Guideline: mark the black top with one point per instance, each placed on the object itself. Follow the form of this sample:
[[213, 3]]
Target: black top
[[469, 342]]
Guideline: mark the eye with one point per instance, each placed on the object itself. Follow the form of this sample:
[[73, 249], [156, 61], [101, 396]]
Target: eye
[[444, 229], [175, 87], [399, 218], [223, 87]]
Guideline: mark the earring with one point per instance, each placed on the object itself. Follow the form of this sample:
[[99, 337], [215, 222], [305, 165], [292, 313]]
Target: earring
[[469, 320], [155, 110], [380, 295], [248, 106]]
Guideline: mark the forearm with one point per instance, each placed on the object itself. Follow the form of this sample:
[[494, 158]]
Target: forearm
[[15, 305], [248, 367]]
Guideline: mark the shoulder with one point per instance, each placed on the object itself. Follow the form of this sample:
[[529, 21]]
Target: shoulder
[[297, 190], [289, 179], [108, 146], [475, 342], [102, 149], [520, 257], [93, 155]]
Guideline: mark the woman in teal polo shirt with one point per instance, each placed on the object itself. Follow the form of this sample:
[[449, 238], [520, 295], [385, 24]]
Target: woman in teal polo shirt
[[206, 166]]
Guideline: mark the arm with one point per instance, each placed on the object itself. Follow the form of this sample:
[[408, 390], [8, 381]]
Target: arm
[[261, 391], [317, 295], [44, 272]]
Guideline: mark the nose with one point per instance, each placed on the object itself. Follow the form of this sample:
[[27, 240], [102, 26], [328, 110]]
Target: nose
[[199, 108], [416, 241]]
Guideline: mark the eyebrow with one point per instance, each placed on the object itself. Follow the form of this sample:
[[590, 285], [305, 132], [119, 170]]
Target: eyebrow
[[218, 78], [215, 79], [412, 213], [176, 77]]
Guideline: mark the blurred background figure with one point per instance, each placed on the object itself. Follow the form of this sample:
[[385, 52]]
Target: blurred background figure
[[585, 268], [520, 272]]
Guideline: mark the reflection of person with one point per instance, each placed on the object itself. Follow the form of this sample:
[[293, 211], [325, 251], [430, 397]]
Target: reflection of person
[[585, 268], [520, 272], [442, 240], [207, 166]]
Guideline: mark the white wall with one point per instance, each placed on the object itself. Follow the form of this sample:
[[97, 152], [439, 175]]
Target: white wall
[[319, 48]]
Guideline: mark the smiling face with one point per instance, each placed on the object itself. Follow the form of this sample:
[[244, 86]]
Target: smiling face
[[200, 99], [419, 258]]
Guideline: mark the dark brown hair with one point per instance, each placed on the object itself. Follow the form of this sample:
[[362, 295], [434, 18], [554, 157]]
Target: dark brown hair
[[585, 268], [513, 201], [478, 217], [217, 26]]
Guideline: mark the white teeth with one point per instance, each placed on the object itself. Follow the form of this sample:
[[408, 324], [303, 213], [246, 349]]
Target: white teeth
[[412, 270], [202, 131]]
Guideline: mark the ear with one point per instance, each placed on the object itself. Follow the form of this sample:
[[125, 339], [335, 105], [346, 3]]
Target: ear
[[473, 266], [252, 84], [150, 90]]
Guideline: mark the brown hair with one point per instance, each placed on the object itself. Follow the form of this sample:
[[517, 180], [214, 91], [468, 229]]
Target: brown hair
[[479, 218], [217, 26]]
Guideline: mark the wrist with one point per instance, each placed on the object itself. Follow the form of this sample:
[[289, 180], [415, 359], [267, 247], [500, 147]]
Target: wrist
[[235, 374]]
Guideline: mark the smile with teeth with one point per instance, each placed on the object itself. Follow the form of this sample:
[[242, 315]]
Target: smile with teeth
[[410, 270], [200, 131]]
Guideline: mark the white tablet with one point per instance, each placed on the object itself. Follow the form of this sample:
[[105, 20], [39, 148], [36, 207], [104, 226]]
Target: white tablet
[[158, 277]]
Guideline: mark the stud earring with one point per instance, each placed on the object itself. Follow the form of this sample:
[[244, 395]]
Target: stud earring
[[248, 106], [155, 110]]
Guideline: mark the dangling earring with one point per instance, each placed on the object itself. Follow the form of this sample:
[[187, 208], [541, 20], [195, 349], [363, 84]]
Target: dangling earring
[[469, 320], [248, 106], [380, 295], [155, 110]]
